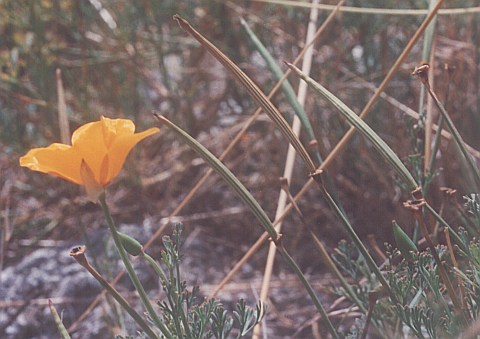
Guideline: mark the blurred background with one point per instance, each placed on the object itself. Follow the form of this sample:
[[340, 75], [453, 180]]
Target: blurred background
[[127, 58]]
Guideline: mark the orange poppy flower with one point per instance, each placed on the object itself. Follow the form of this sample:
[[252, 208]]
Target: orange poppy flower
[[97, 154]]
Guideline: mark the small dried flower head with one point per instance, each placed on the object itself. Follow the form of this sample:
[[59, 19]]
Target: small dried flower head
[[78, 253], [449, 192], [414, 205], [422, 72], [77, 250]]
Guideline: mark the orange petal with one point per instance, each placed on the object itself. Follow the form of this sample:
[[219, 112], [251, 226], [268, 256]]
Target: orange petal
[[104, 179], [57, 159], [121, 147], [89, 143], [92, 187], [112, 128]]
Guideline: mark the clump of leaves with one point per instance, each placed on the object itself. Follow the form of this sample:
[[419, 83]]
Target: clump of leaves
[[424, 308], [188, 316]]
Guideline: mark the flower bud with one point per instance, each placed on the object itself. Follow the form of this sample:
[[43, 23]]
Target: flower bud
[[131, 245], [404, 243]]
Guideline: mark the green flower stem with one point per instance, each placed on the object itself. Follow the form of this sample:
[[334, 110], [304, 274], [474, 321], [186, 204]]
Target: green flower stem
[[254, 206], [293, 265], [353, 235], [156, 266], [133, 276], [435, 147], [348, 288], [292, 99], [453, 130], [452, 232], [158, 269], [180, 306], [325, 256], [226, 175], [438, 134], [58, 322]]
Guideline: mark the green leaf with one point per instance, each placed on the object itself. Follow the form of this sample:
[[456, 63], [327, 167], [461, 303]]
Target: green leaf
[[385, 151]]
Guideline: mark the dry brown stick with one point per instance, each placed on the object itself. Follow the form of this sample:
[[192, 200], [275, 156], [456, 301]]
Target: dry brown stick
[[78, 253], [370, 10], [429, 119], [62, 110], [407, 110], [455, 265], [342, 143]]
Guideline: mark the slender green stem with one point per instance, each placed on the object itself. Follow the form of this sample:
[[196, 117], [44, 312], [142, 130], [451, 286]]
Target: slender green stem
[[442, 222], [131, 272], [286, 87], [348, 288], [253, 90], [326, 257], [293, 265], [186, 326], [435, 147], [438, 134], [156, 267], [226, 175], [292, 99], [353, 235], [58, 321], [179, 305], [455, 134]]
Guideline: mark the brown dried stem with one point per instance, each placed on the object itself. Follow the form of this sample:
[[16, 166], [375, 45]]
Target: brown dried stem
[[78, 253]]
